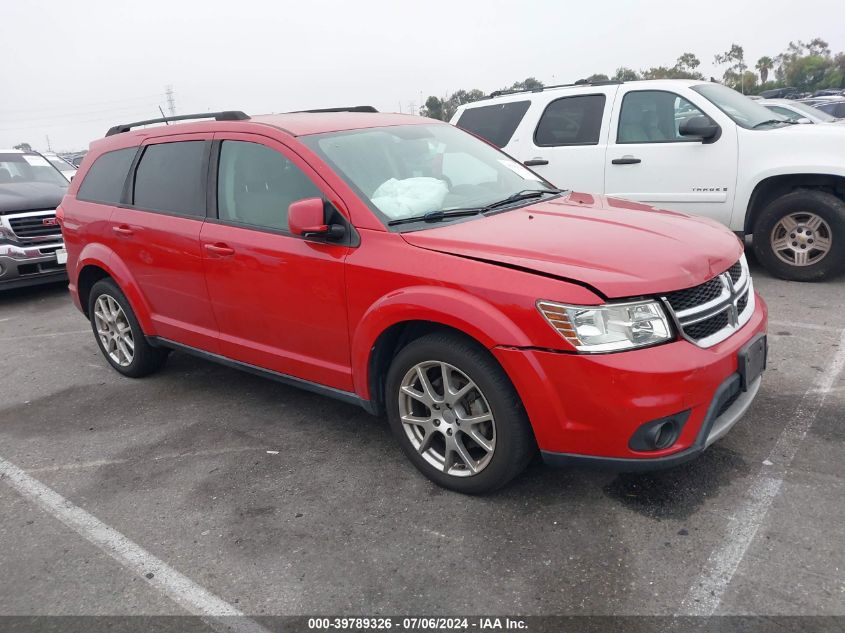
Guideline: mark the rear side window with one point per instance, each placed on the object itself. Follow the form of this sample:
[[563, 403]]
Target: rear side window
[[170, 177], [571, 121], [256, 185], [495, 123], [104, 181]]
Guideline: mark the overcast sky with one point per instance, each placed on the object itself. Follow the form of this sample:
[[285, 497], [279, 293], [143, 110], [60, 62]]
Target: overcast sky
[[72, 68]]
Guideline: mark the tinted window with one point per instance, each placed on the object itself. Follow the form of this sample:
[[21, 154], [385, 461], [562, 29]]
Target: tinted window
[[571, 121], [496, 123], [653, 116], [104, 181], [170, 178], [256, 185]]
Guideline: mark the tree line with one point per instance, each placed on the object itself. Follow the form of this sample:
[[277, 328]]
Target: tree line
[[804, 66]]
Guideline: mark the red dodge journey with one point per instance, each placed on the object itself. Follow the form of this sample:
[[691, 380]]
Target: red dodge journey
[[404, 265]]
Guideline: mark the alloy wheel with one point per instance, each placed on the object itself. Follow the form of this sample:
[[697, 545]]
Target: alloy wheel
[[114, 330], [447, 419], [801, 239]]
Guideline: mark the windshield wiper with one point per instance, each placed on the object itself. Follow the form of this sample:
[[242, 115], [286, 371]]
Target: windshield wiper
[[525, 194], [770, 121], [435, 216]]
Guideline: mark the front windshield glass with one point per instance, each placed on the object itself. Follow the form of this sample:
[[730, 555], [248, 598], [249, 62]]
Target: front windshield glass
[[17, 168], [744, 111], [813, 112], [58, 163], [406, 171]]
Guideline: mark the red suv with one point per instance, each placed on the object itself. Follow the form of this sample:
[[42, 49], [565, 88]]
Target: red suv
[[404, 265]]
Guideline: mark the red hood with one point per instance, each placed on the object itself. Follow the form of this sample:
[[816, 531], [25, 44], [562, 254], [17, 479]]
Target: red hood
[[621, 248]]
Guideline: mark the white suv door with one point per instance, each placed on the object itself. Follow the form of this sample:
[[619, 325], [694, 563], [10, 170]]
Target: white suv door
[[649, 161], [565, 140]]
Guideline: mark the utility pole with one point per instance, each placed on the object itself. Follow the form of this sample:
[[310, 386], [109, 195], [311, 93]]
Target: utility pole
[[171, 100], [49, 149]]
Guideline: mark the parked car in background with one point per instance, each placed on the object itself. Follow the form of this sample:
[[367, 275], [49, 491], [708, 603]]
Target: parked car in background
[[75, 159], [797, 111], [404, 265], [30, 237], [688, 145], [67, 168], [834, 106]]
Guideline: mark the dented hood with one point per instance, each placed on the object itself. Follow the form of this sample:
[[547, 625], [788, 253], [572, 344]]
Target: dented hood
[[620, 248]]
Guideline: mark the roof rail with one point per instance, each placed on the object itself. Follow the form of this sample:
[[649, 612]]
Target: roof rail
[[226, 115], [499, 93], [348, 109]]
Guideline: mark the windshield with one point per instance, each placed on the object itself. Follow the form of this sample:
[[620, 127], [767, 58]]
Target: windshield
[[813, 112], [59, 163], [406, 171], [744, 111], [15, 168]]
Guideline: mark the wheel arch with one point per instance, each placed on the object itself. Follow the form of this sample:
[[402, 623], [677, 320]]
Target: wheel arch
[[97, 262], [771, 188], [396, 320]]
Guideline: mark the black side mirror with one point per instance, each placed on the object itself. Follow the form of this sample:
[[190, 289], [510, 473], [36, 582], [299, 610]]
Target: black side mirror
[[702, 127]]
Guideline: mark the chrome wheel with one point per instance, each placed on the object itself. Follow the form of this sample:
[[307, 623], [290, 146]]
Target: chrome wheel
[[801, 239], [114, 330], [447, 419]]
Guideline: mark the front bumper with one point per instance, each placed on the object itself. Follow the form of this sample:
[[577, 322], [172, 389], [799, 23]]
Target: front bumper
[[31, 264], [586, 408]]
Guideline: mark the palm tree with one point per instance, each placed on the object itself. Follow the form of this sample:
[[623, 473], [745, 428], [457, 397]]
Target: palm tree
[[764, 65]]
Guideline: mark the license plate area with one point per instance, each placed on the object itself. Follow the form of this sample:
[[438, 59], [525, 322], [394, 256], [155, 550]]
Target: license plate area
[[751, 360], [61, 256]]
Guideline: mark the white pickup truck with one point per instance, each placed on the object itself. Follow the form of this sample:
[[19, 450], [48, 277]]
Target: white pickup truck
[[690, 146]]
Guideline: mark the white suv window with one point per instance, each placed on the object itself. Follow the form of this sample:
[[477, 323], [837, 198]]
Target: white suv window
[[572, 120], [654, 116]]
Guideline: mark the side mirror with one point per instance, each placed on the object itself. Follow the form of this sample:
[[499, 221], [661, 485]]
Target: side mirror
[[803, 119], [702, 127], [307, 218]]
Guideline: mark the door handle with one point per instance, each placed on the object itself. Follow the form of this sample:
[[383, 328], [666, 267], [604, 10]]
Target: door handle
[[626, 160], [220, 250], [535, 161], [123, 230]]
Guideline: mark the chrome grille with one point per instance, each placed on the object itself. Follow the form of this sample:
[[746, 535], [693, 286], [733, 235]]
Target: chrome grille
[[710, 312], [34, 226]]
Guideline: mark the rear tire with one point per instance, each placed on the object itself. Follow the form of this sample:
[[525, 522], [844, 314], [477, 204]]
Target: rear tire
[[473, 436], [118, 333], [801, 236]]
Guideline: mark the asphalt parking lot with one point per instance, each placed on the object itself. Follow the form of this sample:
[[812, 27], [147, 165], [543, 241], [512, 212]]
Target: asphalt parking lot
[[277, 501]]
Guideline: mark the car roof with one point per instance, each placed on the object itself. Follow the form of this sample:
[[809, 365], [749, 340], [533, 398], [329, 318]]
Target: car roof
[[522, 95], [14, 151], [305, 123]]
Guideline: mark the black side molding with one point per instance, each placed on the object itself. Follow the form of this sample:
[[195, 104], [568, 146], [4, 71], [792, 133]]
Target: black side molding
[[293, 381]]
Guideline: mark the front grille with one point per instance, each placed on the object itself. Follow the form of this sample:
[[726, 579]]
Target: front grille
[[735, 272], [691, 297], [712, 311], [32, 226], [708, 327]]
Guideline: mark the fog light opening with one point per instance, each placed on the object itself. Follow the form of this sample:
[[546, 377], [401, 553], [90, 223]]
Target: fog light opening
[[665, 435]]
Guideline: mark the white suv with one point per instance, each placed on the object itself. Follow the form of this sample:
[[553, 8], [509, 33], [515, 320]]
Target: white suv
[[691, 146]]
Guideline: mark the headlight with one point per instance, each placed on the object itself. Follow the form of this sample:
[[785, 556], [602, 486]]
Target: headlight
[[608, 328]]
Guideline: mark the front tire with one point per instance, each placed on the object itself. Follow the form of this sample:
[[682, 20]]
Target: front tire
[[801, 236], [118, 334], [456, 414]]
